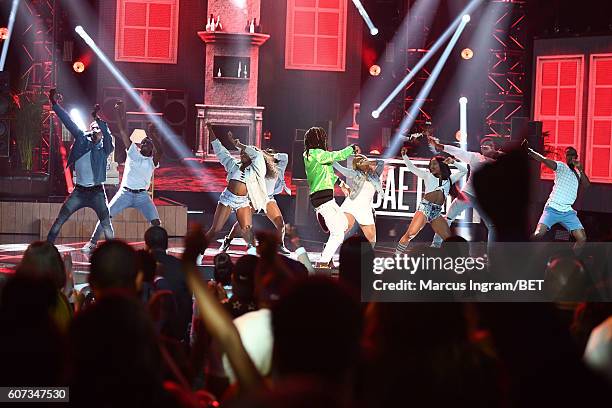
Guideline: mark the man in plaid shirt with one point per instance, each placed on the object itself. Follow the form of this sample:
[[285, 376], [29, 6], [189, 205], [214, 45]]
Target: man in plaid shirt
[[558, 209]]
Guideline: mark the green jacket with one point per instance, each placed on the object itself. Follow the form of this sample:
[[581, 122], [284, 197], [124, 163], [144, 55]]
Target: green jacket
[[319, 169]]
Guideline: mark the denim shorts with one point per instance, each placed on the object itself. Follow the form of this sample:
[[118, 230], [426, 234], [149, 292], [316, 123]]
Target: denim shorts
[[568, 219], [431, 210], [233, 201]]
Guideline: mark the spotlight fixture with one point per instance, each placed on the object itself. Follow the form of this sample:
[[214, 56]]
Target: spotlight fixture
[[463, 100], [467, 53], [458, 135], [375, 70], [366, 17], [466, 18], [4, 33], [78, 67], [375, 114]]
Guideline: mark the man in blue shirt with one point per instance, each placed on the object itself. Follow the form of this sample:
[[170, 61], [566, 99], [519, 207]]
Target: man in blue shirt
[[87, 158]]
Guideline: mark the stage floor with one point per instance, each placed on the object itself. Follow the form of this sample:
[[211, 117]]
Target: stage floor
[[195, 176], [12, 248]]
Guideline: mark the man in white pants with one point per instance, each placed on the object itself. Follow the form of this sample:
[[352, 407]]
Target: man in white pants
[[318, 163], [487, 154]]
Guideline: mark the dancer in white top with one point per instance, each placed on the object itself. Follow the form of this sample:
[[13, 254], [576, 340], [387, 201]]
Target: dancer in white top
[[488, 154], [363, 182], [246, 186], [569, 176], [438, 181], [141, 161], [275, 184]]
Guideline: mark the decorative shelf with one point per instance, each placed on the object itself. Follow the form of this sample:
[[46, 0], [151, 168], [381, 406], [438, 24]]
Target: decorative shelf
[[223, 37], [231, 78]]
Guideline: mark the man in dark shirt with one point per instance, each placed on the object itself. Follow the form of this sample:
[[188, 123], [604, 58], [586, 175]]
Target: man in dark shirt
[[87, 158]]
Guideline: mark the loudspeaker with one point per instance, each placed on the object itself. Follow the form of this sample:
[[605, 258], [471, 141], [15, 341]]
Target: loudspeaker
[[175, 109], [297, 159], [524, 129], [303, 212]]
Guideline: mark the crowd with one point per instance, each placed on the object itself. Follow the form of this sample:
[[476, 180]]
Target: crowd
[[150, 331]]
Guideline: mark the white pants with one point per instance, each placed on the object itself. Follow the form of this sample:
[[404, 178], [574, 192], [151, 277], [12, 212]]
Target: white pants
[[336, 223]]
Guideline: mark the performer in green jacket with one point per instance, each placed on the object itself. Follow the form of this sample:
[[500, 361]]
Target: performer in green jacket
[[318, 163]]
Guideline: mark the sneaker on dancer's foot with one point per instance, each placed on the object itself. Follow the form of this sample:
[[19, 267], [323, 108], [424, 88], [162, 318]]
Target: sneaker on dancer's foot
[[88, 248], [227, 241]]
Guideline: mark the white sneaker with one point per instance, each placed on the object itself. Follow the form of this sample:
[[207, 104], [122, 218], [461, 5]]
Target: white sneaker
[[88, 248], [200, 259]]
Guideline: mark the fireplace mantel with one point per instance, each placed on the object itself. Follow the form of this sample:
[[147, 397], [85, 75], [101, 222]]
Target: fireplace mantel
[[231, 74], [256, 39]]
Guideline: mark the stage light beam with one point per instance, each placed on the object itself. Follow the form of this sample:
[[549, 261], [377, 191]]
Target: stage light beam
[[11, 24], [434, 48], [166, 133], [366, 17], [408, 120], [77, 118]]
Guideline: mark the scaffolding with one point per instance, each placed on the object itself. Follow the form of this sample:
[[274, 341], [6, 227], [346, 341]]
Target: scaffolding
[[505, 89]]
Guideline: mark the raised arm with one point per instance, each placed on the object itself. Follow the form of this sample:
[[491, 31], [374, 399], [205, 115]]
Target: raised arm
[[584, 179], [462, 170], [107, 140], [380, 167], [411, 167], [120, 115], [64, 116], [282, 160], [345, 171], [226, 160], [325, 157], [254, 154], [217, 321], [159, 150], [463, 155], [551, 164]]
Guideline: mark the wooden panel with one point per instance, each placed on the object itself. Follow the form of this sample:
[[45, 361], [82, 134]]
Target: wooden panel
[[26, 217], [37, 218], [9, 217], [181, 221], [130, 230], [44, 211], [68, 229], [119, 228]]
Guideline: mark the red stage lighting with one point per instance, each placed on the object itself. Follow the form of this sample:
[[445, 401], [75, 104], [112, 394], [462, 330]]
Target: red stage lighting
[[4, 33], [78, 67]]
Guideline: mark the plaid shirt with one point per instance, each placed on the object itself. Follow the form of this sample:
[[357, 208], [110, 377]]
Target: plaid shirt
[[565, 190]]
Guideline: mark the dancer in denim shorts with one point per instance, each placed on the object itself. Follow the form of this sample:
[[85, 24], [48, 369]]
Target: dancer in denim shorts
[[246, 187], [438, 181]]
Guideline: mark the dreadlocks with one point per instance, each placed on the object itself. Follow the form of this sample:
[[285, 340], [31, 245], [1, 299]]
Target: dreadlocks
[[315, 138]]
